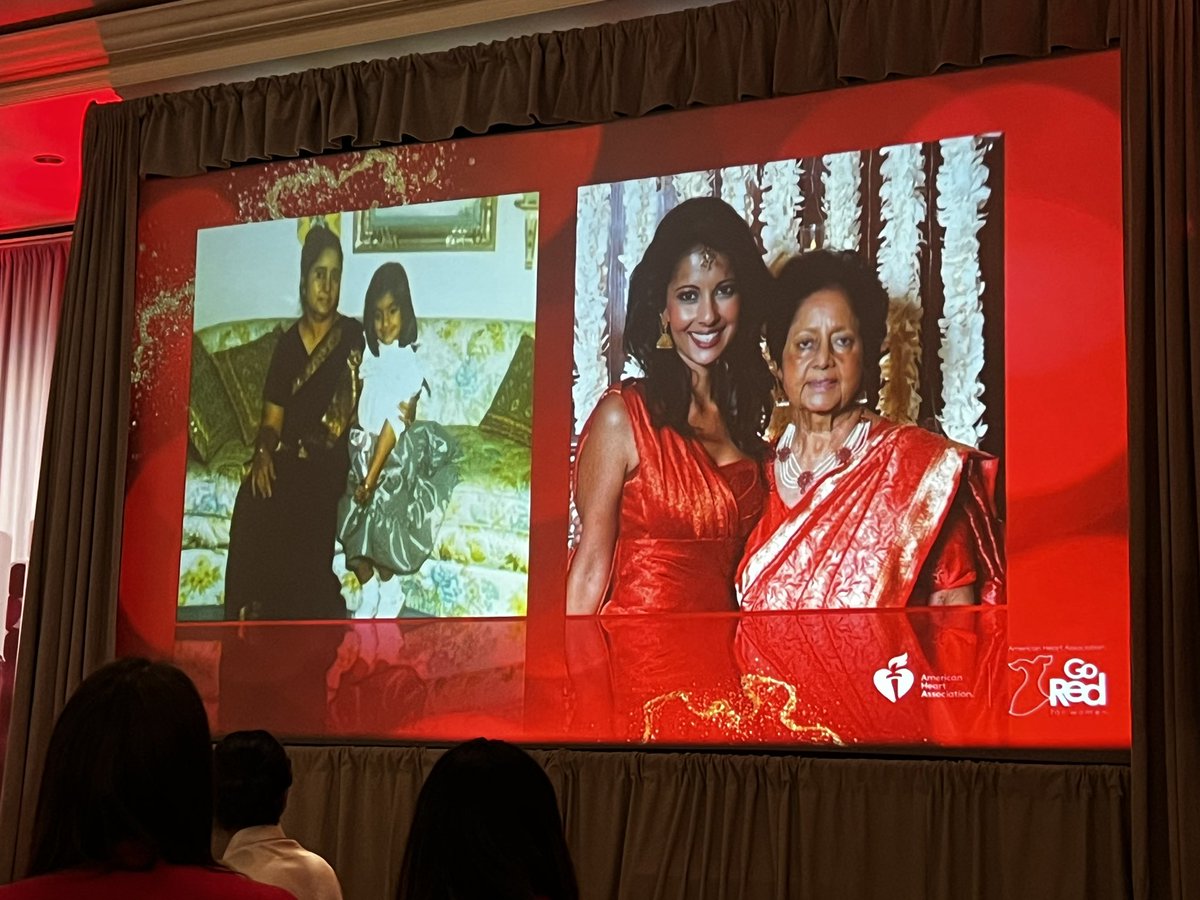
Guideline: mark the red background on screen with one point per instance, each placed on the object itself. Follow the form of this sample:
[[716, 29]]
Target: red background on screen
[[1066, 435]]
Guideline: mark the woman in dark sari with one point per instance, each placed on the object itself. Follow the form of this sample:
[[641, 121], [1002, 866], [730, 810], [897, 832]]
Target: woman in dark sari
[[281, 539]]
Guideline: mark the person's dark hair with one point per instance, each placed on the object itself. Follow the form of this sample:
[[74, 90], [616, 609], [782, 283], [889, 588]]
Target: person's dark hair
[[317, 241], [486, 827], [820, 270], [390, 278], [251, 777], [741, 381], [128, 775]]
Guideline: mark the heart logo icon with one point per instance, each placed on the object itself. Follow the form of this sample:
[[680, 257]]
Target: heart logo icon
[[895, 680]]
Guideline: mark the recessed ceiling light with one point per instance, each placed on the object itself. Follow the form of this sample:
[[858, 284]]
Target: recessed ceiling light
[[48, 159]]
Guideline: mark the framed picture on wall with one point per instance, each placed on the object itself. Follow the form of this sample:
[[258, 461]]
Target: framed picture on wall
[[452, 225]]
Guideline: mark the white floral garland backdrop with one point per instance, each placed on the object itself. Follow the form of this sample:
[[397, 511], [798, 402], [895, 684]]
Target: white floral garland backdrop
[[642, 212], [962, 194], [592, 228], [781, 209], [841, 204], [737, 185], [902, 211], [693, 184]]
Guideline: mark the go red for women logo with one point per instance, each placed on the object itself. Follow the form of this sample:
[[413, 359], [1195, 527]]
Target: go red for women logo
[[1078, 683]]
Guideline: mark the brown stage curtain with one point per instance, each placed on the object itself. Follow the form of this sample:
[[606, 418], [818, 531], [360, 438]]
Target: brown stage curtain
[[1161, 98], [694, 826], [69, 618], [698, 57], [878, 38], [712, 55]]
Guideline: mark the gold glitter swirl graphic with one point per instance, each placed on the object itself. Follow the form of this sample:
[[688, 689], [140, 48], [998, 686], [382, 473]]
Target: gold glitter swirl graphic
[[385, 164], [174, 307], [723, 713]]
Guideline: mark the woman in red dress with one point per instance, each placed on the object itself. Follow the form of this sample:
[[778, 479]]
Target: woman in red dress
[[668, 476], [863, 512]]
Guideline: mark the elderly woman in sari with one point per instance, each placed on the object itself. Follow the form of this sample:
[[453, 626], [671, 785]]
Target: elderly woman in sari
[[669, 477], [863, 512], [281, 537]]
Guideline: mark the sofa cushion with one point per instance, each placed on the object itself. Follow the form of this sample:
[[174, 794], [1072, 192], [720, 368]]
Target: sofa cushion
[[243, 371], [212, 421], [465, 360], [511, 413]]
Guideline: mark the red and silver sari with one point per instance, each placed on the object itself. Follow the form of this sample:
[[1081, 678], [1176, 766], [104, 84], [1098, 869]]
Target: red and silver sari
[[910, 514]]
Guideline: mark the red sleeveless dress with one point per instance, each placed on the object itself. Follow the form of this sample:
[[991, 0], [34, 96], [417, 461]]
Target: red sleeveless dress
[[684, 521]]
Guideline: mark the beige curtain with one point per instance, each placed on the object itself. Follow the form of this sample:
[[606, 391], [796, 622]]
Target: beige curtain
[[31, 286], [704, 826]]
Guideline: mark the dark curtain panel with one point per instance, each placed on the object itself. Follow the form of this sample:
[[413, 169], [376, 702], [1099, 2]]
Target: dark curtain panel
[[639, 822], [698, 57], [878, 38], [708, 827], [1161, 97], [69, 618]]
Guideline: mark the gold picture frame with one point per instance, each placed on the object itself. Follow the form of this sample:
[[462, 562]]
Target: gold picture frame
[[447, 225]]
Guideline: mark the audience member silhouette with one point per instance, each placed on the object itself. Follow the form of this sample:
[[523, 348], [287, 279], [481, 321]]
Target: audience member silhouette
[[487, 827], [252, 775], [125, 806]]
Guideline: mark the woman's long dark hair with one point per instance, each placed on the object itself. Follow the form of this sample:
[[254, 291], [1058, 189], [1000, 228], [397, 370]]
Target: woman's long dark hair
[[128, 776], [486, 827], [741, 381]]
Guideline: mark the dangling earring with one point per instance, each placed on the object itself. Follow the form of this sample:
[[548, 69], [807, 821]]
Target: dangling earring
[[664, 338]]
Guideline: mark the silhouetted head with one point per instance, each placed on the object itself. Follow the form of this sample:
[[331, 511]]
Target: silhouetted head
[[486, 827], [128, 776], [251, 777]]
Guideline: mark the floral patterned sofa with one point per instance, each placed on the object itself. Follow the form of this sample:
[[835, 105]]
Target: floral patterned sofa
[[480, 373]]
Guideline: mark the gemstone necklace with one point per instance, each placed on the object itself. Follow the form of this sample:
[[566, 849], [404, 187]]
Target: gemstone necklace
[[787, 464]]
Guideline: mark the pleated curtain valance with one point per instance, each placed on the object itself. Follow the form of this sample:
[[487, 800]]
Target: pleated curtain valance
[[697, 57]]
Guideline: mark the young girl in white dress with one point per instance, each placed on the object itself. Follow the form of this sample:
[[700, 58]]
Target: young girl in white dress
[[401, 471]]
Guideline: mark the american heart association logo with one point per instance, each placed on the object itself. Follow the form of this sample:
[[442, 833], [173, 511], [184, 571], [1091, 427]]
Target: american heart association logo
[[894, 681]]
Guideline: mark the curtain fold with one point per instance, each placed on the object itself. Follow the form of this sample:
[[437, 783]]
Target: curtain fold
[[1161, 100], [31, 286], [70, 609], [699, 825]]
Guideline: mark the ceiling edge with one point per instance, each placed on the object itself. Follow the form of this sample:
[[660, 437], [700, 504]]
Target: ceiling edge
[[190, 37]]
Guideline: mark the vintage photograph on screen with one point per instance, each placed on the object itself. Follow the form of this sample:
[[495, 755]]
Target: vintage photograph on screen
[[360, 415], [789, 385]]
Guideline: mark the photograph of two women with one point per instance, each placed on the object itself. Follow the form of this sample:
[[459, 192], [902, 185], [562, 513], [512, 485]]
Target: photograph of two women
[[789, 385]]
